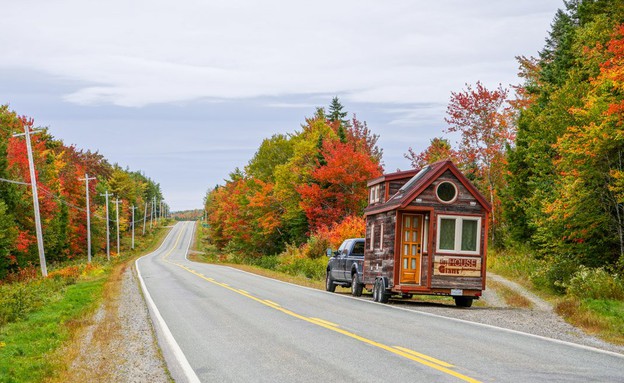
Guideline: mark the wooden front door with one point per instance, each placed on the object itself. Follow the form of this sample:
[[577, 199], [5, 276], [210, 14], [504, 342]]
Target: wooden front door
[[411, 248]]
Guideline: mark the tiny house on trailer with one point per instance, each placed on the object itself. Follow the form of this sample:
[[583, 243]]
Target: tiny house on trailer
[[426, 233]]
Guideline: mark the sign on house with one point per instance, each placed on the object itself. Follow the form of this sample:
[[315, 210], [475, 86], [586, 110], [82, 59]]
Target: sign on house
[[457, 266]]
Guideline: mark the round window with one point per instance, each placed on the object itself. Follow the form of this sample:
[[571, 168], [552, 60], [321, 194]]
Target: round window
[[447, 192]]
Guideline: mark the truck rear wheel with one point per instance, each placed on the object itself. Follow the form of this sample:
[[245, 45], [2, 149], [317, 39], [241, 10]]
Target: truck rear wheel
[[329, 282], [463, 301], [356, 287]]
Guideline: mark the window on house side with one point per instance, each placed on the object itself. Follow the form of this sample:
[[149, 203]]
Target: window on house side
[[459, 235]]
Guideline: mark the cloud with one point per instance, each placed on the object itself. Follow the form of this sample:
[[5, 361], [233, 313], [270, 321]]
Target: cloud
[[139, 53]]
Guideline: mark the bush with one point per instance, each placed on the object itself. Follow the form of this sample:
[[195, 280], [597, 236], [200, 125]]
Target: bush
[[588, 283], [555, 274], [309, 268], [316, 247], [19, 299]]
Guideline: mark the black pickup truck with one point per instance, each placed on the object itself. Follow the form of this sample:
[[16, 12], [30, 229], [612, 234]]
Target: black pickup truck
[[345, 266]]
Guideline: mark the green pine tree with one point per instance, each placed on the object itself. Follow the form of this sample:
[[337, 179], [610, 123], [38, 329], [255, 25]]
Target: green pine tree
[[336, 113]]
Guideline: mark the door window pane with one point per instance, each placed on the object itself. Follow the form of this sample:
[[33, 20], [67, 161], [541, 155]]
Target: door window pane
[[447, 234], [406, 250], [414, 250], [404, 263], [469, 235], [408, 221], [414, 263]]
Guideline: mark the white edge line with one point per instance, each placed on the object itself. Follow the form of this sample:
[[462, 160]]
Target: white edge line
[[191, 241], [559, 341], [167, 335]]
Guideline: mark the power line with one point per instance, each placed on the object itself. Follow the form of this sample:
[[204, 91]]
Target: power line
[[14, 182]]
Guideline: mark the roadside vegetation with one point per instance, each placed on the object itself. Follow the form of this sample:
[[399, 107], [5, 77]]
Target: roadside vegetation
[[39, 316], [592, 298]]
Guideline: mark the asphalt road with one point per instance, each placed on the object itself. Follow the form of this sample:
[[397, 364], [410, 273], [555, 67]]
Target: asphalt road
[[232, 326]]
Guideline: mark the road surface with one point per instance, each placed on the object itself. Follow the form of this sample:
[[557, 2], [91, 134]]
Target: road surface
[[232, 326]]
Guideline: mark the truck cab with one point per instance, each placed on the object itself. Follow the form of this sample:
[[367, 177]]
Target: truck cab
[[344, 267]]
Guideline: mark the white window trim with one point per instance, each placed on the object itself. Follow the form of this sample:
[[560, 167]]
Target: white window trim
[[381, 237], [372, 237], [375, 194], [425, 239], [458, 232]]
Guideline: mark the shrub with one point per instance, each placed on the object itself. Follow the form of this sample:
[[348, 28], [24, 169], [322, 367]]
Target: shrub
[[555, 274], [19, 299], [69, 274], [309, 268], [595, 284], [316, 247]]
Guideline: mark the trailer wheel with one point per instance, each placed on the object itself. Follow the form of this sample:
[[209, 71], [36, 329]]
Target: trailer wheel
[[376, 291], [356, 287], [463, 301], [329, 282], [384, 297], [379, 292]]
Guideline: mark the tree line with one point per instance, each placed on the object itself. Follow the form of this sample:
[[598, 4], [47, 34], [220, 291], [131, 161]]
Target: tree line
[[60, 171], [298, 188], [548, 154]]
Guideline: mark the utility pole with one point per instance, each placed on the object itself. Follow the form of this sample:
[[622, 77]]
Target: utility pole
[[133, 209], [35, 194], [144, 218], [152, 214], [160, 211], [117, 202], [107, 227], [87, 179]]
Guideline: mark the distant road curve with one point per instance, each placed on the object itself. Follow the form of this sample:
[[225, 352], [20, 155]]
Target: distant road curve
[[234, 326]]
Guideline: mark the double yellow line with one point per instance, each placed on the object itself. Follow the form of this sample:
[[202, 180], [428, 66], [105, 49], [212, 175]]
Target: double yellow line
[[423, 359]]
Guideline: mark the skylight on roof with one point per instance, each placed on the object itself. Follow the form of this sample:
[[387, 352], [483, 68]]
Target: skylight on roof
[[411, 182]]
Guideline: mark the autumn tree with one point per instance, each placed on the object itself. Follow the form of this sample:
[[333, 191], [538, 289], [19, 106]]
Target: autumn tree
[[484, 119], [439, 149], [338, 188]]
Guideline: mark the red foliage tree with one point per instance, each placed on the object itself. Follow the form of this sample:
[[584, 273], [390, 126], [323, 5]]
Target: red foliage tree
[[339, 187]]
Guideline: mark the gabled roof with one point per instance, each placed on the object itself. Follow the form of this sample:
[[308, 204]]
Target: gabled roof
[[419, 182], [392, 177]]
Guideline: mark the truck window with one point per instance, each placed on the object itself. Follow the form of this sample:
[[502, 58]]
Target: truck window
[[358, 248], [343, 247]]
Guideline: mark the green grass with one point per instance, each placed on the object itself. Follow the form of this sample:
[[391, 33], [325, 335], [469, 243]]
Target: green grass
[[38, 317], [26, 346], [587, 300]]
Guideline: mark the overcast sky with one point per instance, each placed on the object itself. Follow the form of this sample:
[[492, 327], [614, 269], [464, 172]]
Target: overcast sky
[[186, 90]]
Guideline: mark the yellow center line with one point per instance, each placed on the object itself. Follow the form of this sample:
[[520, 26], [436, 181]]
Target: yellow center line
[[423, 356], [400, 351], [324, 321]]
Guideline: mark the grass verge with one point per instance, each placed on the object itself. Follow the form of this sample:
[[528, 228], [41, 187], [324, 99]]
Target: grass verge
[[603, 318], [25, 345], [46, 315]]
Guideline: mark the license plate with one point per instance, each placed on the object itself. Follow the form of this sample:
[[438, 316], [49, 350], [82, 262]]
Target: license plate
[[457, 292]]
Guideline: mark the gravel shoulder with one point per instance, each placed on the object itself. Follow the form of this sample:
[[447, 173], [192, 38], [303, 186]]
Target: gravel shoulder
[[118, 344]]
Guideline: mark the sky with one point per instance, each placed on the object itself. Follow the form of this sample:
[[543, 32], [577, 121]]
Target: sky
[[185, 91]]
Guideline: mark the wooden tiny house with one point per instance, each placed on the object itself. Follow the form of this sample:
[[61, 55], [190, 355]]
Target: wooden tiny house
[[426, 233]]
